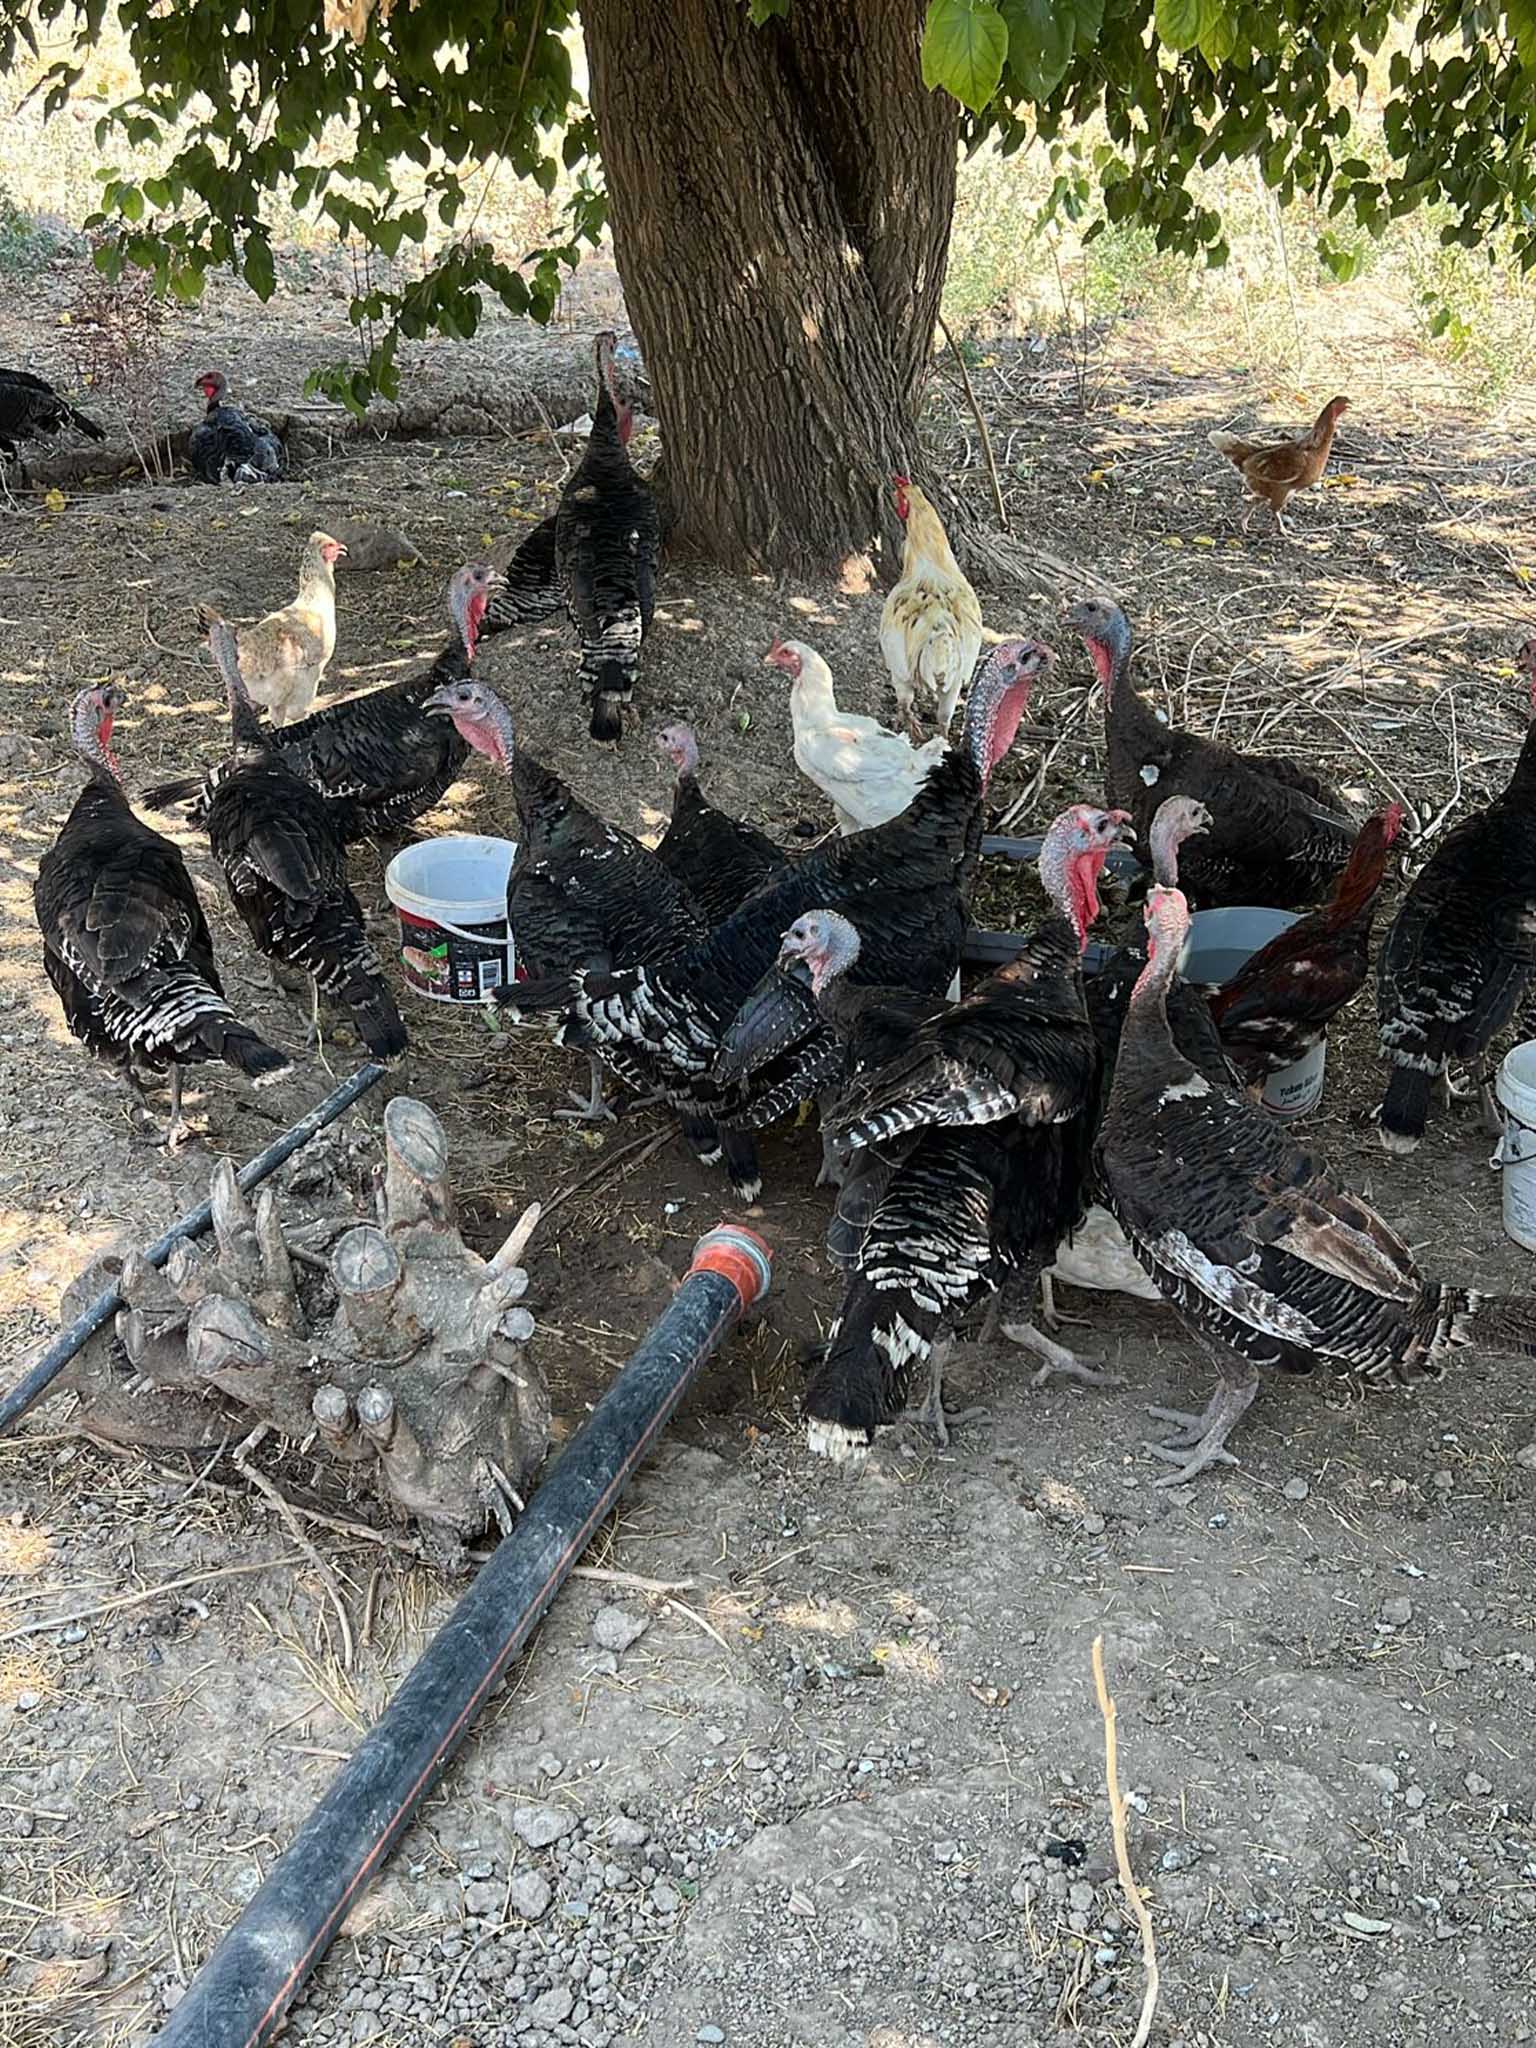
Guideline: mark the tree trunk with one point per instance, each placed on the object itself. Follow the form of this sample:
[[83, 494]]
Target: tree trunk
[[780, 199]]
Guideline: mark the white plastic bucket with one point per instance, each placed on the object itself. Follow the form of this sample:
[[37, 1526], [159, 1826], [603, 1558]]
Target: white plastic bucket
[[1516, 1154], [451, 898], [1220, 942]]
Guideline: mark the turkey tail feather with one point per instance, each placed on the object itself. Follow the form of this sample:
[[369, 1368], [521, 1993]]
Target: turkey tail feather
[[252, 1056], [853, 1390], [1405, 1108], [86, 425], [1501, 1323]]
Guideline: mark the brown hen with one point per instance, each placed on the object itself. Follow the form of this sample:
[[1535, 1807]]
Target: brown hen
[[1273, 470]]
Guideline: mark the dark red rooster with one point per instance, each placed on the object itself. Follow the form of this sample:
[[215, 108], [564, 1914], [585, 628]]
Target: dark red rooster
[[1279, 834], [1280, 1003], [718, 859], [282, 858], [125, 941], [1268, 1259], [1462, 949]]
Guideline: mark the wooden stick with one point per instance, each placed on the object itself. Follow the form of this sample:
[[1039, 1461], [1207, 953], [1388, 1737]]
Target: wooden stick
[[981, 425], [1133, 1898]]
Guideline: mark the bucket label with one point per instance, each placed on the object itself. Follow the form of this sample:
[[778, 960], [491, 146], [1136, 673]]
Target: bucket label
[[452, 967]]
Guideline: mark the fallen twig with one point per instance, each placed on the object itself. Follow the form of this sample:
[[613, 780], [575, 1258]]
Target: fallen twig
[[145, 1594], [981, 425], [1128, 1886], [284, 1509], [631, 1581]]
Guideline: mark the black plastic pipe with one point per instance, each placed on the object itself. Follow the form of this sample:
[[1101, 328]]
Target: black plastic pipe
[[106, 1305], [239, 1997]]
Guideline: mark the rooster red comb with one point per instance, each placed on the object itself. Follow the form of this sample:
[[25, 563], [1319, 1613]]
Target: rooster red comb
[[1392, 822]]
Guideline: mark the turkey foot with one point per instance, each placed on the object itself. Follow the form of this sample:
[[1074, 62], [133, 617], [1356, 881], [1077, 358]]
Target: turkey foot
[[1051, 1315], [1058, 1359], [1204, 1436], [591, 1108], [932, 1417]]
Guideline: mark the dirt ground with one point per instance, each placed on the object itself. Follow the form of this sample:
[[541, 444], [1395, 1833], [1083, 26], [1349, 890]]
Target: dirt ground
[[846, 1788]]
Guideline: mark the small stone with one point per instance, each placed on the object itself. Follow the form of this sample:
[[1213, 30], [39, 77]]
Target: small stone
[[1414, 1797], [367, 2027], [754, 1760], [1526, 1456], [541, 1825], [946, 1852], [615, 1628], [711, 2034], [1452, 1661], [1182, 1856], [1296, 1489], [550, 1764], [1380, 1774], [1477, 1785], [1397, 1613], [1094, 1523], [27, 1700], [666, 1899], [482, 1900], [627, 1833], [529, 1894], [554, 2008], [1443, 1481]]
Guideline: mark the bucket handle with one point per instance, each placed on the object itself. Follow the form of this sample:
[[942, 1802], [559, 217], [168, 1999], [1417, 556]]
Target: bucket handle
[[1507, 1152], [479, 939]]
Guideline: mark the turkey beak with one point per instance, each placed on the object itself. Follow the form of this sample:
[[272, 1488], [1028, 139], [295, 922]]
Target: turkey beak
[[496, 580], [439, 704], [1125, 831]]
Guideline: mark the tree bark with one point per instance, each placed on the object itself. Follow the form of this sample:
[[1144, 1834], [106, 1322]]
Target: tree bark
[[780, 199]]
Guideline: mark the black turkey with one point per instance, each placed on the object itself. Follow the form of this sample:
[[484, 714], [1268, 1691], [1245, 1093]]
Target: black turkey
[[1269, 1259], [531, 590], [1462, 949], [903, 885], [718, 859], [125, 941], [607, 537], [1279, 834], [381, 759], [971, 1145], [230, 445], [582, 894], [31, 410], [283, 861]]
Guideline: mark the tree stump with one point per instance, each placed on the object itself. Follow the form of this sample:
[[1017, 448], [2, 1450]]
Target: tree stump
[[404, 1356]]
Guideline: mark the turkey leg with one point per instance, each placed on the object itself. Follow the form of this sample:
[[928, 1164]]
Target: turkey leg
[[931, 1416], [594, 1110], [1204, 1436]]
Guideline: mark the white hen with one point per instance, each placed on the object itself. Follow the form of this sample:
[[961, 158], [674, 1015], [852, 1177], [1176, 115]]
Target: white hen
[[869, 773], [283, 656], [930, 630]]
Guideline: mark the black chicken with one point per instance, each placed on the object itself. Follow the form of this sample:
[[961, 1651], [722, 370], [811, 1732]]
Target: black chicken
[[381, 759], [229, 443], [903, 885], [1462, 949], [718, 859], [1279, 834], [607, 536], [972, 1142], [31, 410], [1267, 1258], [125, 941], [582, 895], [283, 861]]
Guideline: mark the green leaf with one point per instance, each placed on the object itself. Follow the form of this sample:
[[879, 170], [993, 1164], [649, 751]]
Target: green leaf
[[260, 270], [767, 10], [1179, 22], [1040, 39], [1218, 33], [1521, 16], [1342, 264], [964, 45]]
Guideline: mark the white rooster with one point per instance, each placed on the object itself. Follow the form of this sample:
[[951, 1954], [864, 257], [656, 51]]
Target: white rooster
[[869, 773], [930, 630]]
